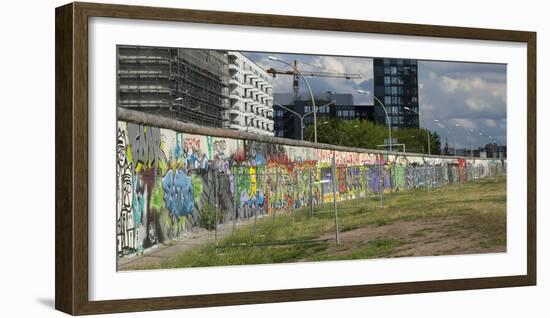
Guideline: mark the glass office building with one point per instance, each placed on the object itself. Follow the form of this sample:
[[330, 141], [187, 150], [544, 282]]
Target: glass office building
[[396, 85]]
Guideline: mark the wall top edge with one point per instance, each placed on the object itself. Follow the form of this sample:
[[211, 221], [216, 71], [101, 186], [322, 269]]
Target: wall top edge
[[190, 128]]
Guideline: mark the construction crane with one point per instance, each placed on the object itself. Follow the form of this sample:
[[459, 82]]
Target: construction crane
[[295, 83]]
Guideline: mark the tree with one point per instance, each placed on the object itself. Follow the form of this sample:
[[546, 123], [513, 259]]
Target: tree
[[366, 134]]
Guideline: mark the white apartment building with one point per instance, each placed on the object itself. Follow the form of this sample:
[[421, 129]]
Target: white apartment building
[[250, 96]]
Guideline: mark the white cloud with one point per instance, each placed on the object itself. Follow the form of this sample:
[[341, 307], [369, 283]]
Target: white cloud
[[472, 95]]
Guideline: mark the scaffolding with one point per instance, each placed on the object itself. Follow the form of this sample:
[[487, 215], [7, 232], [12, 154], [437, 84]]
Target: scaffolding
[[189, 85]]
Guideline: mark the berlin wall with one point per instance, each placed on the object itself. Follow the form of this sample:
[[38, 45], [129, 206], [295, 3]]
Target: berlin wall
[[169, 174]]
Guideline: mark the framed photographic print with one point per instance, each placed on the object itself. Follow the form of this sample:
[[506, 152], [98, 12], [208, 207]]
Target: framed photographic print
[[211, 158]]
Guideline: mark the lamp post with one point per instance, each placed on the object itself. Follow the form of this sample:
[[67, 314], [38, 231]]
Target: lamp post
[[273, 58], [360, 91], [427, 131], [302, 116], [468, 135], [448, 132]]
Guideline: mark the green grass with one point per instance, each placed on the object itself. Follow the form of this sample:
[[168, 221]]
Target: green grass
[[481, 206]]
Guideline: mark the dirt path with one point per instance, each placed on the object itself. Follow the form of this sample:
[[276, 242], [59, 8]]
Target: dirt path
[[424, 237]]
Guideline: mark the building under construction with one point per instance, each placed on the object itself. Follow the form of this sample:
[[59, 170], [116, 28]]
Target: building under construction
[[190, 85]]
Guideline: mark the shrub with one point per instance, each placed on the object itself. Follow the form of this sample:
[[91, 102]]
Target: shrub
[[208, 217]]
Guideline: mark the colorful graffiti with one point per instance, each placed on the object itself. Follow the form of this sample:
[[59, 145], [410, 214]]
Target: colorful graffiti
[[165, 179]]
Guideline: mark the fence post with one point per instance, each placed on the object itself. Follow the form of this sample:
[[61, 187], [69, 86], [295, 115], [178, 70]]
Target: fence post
[[357, 184], [366, 180], [256, 207], [235, 204], [217, 198], [322, 187], [310, 195], [334, 188], [277, 189], [293, 207], [382, 176]]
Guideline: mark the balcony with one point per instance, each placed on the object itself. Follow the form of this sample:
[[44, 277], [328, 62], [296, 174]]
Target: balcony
[[235, 126], [236, 112], [234, 67], [235, 96], [235, 82]]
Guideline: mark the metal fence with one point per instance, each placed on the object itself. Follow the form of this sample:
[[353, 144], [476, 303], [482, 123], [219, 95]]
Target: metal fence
[[248, 193]]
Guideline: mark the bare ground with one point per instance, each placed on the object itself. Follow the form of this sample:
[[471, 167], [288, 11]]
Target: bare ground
[[424, 237]]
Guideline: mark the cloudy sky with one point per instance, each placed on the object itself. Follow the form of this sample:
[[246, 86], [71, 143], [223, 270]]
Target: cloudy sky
[[472, 95]]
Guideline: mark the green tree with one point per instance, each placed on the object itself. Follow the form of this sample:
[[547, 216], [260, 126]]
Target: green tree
[[366, 134]]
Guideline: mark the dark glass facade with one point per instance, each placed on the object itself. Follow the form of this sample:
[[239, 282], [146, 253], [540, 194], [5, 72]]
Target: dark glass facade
[[396, 85], [287, 124]]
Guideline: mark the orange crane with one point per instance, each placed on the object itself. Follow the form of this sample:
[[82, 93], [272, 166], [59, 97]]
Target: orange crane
[[296, 75]]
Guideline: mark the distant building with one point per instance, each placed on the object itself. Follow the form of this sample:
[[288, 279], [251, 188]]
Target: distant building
[[396, 85], [189, 85], [287, 124], [250, 95], [494, 150]]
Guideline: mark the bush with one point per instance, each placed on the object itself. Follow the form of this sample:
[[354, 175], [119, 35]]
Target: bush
[[208, 217]]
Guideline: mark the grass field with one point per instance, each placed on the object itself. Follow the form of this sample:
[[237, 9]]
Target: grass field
[[456, 219]]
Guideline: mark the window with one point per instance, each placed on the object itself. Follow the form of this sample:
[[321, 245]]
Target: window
[[393, 70], [387, 80], [352, 113], [394, 90], [395, 110], [387, 90], [414, 99], [386, 61], [339, 113], [397, 100], [307, 109], [387, 70], [387, 100]]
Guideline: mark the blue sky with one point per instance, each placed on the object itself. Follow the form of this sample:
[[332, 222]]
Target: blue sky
[[472, 95]]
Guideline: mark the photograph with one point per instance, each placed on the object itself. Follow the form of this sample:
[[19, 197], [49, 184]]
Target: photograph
[[305, 158]]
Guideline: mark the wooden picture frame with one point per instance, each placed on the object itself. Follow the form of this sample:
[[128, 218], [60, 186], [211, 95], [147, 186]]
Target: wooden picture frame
[[71, 222]]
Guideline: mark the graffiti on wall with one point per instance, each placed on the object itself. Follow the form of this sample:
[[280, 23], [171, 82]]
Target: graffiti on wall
[[166, 178]]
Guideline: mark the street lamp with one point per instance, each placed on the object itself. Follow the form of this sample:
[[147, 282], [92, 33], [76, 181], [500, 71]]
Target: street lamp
[[273, 58], [448, 132], [468, 135], [427, 131], [302, 116], [360, 91]]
